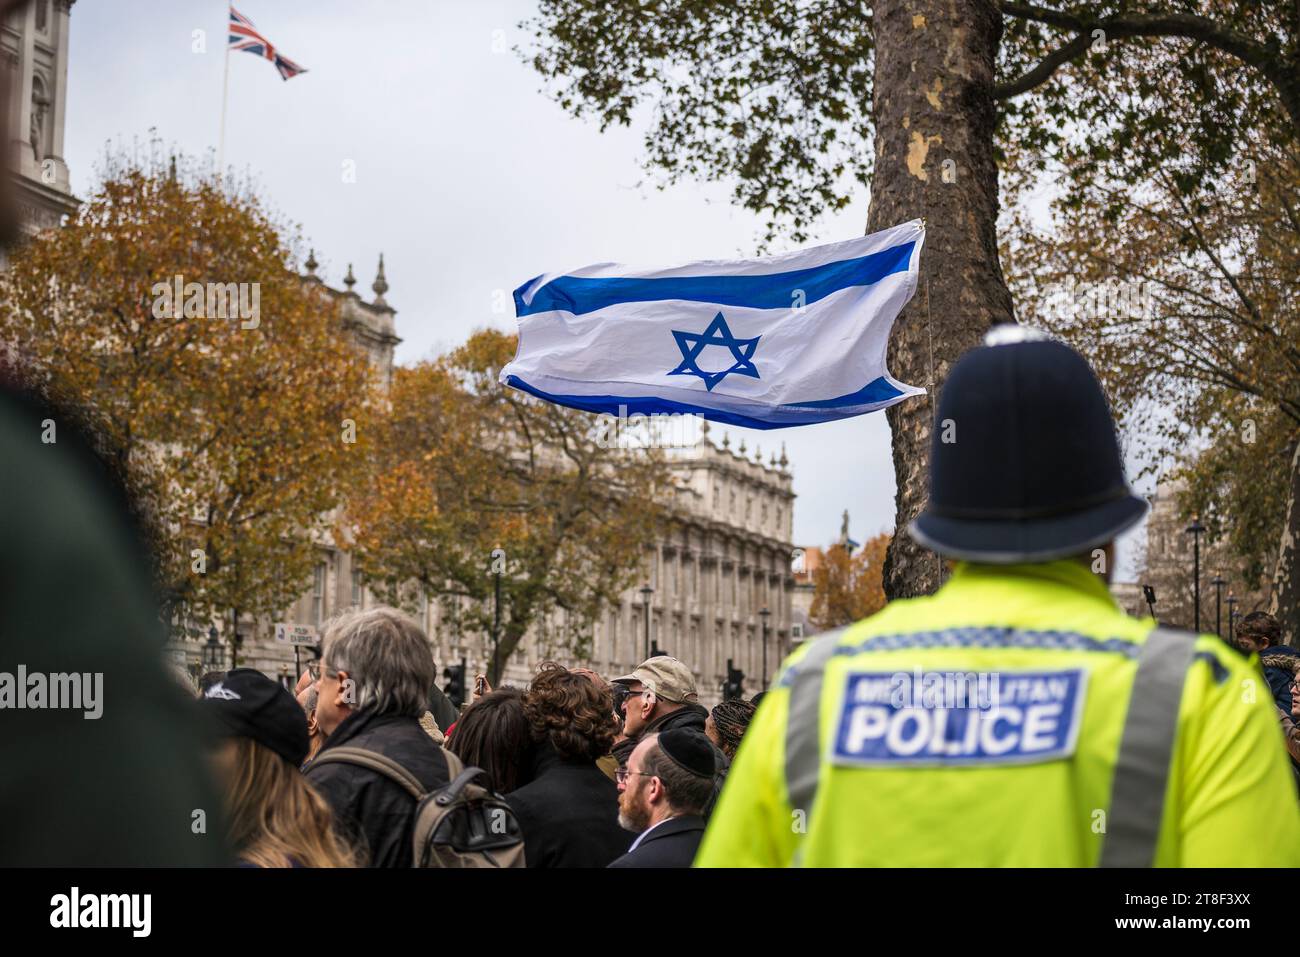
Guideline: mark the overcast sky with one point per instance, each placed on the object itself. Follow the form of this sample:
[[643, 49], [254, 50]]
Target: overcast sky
[[468, 177]]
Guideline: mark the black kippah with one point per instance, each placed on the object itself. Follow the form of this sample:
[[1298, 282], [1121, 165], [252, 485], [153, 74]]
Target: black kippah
[[689, 750]]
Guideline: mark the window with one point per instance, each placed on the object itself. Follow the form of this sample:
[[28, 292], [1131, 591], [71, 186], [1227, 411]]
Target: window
[[318, 595], [358, 589]]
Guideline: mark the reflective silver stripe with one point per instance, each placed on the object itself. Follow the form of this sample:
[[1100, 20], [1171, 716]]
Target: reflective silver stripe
[[1146, 747], [803, 753]]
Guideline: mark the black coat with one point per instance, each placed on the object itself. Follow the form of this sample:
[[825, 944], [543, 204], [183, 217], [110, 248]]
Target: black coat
[[690, 715], [568, 812], [672, 844], [373, 811]]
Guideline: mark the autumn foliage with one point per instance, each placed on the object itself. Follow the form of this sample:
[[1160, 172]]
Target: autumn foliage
[[469, 478], [848, 587], [229, 432]]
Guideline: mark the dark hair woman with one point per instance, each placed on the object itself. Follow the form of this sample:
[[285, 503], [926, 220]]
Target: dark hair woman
[[493, 734], [566, 806]]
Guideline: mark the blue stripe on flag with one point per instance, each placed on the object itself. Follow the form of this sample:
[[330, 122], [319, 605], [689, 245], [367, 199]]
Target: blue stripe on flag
[[579, 295], [877, 390]]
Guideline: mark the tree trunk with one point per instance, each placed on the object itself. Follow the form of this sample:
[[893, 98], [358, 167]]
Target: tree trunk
[[1286, 579], [934, 117]]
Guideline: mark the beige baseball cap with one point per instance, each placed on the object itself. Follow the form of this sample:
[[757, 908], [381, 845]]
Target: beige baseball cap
[[667, 677]]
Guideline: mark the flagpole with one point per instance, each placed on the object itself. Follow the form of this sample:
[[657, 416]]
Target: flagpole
[[225, 92]]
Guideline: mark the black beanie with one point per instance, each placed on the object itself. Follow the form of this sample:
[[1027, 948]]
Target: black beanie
[[689, 750], [250, 705]]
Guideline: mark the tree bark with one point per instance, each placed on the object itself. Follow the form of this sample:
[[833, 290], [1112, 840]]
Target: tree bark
[[1285, 605], [934, 118]]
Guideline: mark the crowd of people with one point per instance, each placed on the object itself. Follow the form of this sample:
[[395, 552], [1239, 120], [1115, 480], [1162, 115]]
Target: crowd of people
[[580, 771], [593, 772]]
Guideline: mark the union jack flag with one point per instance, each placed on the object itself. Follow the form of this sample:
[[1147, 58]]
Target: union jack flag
[[244, 36]]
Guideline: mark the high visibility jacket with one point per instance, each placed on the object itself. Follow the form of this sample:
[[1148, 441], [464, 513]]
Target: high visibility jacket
[[892, 766]]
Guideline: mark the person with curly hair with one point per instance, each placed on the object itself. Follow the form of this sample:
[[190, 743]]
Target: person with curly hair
[[566, 806]]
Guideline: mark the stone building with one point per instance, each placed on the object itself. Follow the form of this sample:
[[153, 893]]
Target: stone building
[[724, 562], [34, 43]]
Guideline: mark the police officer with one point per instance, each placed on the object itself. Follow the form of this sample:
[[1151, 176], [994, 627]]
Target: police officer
[[1017, 716]]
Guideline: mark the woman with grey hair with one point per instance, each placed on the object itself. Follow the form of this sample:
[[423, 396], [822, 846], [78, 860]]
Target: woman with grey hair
[[376, 673]]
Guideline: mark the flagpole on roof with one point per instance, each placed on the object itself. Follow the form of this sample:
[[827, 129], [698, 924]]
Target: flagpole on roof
[[225, 91]]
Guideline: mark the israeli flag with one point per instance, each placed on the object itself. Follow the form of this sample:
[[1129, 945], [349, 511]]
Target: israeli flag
[[764, 343]]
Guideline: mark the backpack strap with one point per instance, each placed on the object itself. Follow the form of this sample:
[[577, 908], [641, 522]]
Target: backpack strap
[[373, 760], [458, 775], [1146, 747], [452, 790]]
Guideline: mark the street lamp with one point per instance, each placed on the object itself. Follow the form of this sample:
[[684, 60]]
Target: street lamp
[[1195, 529], [1232, 617], [213, 655], [496, 624], [1218, 581], [765, 614], [646, 592]]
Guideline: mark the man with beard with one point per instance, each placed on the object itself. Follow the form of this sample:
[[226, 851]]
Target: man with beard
[[662, 794]]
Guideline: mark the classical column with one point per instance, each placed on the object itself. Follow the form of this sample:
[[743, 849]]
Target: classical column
[[59, 97], [23, 90]]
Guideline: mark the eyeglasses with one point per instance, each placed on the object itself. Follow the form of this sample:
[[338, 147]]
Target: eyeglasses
[[621, 775]]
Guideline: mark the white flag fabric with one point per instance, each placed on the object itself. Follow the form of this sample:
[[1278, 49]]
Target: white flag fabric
[[764, 343]]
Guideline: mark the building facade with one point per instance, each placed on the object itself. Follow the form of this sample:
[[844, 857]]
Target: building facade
[[720, 580], [34, 44]]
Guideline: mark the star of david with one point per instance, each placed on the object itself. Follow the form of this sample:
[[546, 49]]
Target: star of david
[[717, 334]]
